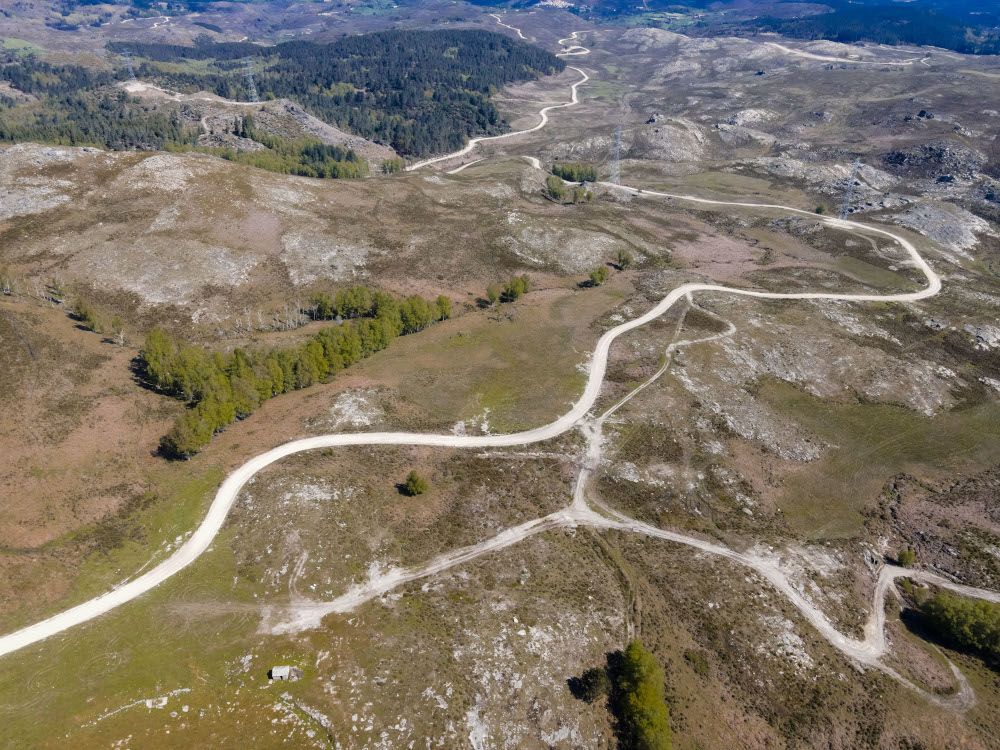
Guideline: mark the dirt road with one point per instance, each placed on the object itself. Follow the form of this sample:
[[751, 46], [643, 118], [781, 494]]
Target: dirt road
[[868, 651]]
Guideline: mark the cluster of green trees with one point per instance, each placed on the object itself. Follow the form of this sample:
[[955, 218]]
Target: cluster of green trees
[[575, 172], [967, 623], [511, 290], [361, 301], [392, 166], [75, 108], [91, 318], [555, 189], [223, 388], [642, 706], [304, 156], [86, 118], [420, 92]]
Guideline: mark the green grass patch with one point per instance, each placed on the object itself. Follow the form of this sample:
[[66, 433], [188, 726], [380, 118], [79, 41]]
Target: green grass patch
[[871, 443], [178, 636], [21, 46], [873, 275], [524, 370], [660, 20], [603, 90], [184, 499], [376, 8]]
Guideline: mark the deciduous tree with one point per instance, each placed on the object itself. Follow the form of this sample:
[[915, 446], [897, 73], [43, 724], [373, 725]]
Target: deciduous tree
[[442, 306], [599, 275], [642, 706], [555, 188]]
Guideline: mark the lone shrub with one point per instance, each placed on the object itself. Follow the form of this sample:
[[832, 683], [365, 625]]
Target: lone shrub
[[83, 312], [697, 661], [624, 258], [414, 484], [599, 275], [821, 210], [906, 557]]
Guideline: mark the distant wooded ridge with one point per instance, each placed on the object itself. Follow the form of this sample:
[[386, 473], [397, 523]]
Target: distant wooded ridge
[[967, 26], [889, 25], [420, 92]]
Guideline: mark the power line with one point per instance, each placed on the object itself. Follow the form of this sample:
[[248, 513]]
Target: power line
[[845, 209], [128, 64], [616, 162], [251, 88]]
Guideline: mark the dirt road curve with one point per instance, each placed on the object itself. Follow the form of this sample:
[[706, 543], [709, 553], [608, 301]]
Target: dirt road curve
[[473, 142], [579, 513]]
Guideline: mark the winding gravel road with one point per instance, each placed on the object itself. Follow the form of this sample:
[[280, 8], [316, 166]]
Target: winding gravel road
[[543, 121], [868, 651], [831, 58]]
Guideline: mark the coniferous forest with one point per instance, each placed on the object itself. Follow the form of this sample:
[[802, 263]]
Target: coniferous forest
[[420, 92]]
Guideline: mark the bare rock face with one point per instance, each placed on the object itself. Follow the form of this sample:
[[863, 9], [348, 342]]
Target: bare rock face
[[228, 140], [373, 152], [951, 226], [936, 159], [22, 190]]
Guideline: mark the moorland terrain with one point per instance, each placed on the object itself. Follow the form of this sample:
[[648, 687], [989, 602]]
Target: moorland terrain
[[732, 482]]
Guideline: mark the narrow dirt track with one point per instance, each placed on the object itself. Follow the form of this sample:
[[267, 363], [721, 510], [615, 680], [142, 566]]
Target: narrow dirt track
[[831, 58], [868, 651]]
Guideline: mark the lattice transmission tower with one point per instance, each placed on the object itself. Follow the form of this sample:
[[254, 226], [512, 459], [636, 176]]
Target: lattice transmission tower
[[845, 208], [616, 161], [128, 64], [251, 87]]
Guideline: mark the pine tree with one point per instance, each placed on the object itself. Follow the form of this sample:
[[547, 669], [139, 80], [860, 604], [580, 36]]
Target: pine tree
[[414, 484]]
